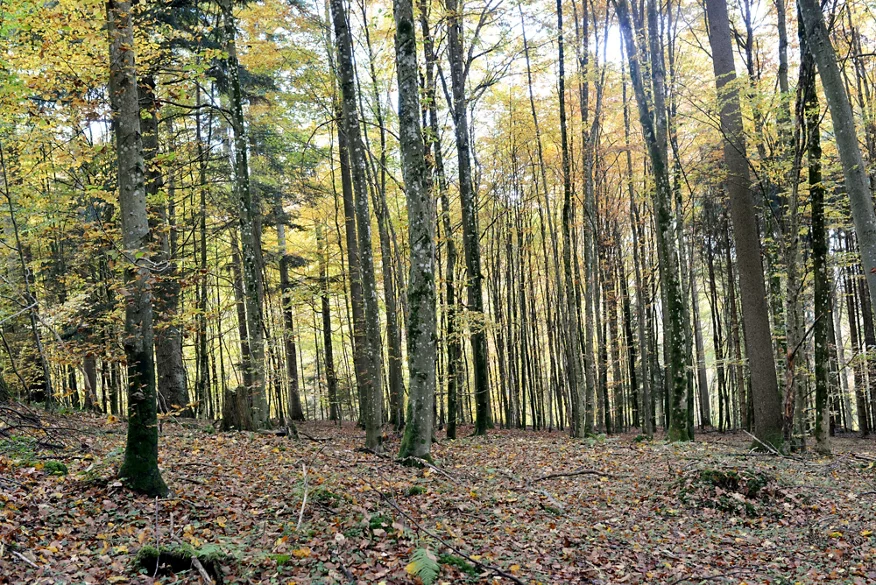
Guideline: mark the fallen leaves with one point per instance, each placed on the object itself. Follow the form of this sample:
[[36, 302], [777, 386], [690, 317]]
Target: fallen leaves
[[624, 524]]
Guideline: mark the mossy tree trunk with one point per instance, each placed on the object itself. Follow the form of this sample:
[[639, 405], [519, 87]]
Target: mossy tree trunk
[[369, 368], [421, 338], [854, 170], [140, 465], [652, 116], [823, 299]]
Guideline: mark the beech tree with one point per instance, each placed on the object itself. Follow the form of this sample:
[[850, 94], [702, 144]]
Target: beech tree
[[140, 466]]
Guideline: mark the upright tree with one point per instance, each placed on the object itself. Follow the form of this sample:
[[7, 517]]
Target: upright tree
[[369, 378], [140, 465], [459, 67], [249, 234], [755, 313], [422, 350], [857, 183]]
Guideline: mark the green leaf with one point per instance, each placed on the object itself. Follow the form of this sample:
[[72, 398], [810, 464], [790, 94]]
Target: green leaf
[[424, 565]]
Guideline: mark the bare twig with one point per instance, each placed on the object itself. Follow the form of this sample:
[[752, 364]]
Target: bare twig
[[25, 559], [582, 471], [304, 500]]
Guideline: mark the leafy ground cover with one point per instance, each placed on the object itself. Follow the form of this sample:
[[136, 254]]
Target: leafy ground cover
[[525, 507]]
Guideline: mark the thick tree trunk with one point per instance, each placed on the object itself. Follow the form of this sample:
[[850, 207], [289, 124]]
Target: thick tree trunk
[[854, 169], [421, 337], [140, 465], [755, 313]]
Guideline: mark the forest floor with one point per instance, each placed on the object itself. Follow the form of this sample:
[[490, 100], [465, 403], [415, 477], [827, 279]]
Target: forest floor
[[515, 506]]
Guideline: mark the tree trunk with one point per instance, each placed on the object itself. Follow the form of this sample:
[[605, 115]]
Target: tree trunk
[[369, 369], [172, 391], [573, 342], [331, 376], [421, 334], [823, 310], [470, 230], [296, 413], [755, 313], [140, 465], [854, 169], [653, 121], [250, 243]]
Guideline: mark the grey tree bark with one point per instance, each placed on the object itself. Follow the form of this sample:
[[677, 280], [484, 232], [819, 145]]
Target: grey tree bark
[[140, 465], [250, 244], [296, 413], [421, 333], [172, 389], [370, 369], [854, 170], [470, 230], [573, 342], [652, 116]]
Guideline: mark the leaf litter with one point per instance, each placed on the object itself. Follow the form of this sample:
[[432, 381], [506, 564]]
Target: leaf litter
[[515, 506]]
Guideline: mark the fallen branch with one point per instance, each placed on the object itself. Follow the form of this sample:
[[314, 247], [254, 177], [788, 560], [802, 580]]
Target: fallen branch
[[424, 463], [493, 569], [770, 448], [707, 578], [25, 559], [314, 439], [202, 571], [556, 503], [581, 471], [303, 501]]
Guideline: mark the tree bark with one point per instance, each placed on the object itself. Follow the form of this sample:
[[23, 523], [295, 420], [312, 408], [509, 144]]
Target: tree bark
[[140, 465], [369, 369], [250, 244], [470, 230], [653, 122], [755, 313], [421, 333], [854, 169]]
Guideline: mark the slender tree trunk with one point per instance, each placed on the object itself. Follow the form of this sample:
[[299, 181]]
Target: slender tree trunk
[[573, 343], [823, 310], [653, 121], [236, 412], [250, 242], [470, 230], [172, 391], [331, 377], [296, 413], [140, 465], [370, 370]]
